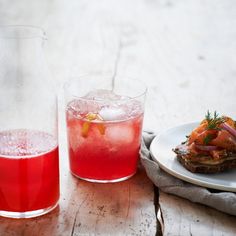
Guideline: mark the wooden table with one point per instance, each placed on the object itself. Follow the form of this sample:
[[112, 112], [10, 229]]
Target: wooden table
[[186, 53]]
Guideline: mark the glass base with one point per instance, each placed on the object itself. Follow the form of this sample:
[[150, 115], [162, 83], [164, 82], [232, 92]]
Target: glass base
[[27, 214], [104, 180]]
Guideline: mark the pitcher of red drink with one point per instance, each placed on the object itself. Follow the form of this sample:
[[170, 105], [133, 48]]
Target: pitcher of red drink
[[29, 164]]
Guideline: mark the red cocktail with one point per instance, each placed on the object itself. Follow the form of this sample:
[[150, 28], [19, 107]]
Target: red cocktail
[[29, 172], [100, 149], [104, 134]]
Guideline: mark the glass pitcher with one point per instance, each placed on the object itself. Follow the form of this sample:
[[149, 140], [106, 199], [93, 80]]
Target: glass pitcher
[[29, 162]]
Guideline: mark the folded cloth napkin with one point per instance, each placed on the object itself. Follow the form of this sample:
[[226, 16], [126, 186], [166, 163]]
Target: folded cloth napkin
[[222, 201]]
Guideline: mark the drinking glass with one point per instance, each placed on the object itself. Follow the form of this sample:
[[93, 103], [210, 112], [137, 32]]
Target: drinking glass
[[104, 116], [29, 164]]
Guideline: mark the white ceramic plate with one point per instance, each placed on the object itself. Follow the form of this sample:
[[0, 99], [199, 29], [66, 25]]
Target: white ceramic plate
[[161, 150]]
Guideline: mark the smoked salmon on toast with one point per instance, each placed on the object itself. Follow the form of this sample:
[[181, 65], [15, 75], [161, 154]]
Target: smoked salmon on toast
[[211, 147]]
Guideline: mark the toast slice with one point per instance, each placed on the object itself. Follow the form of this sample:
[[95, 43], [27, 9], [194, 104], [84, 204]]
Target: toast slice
[[204, 163]]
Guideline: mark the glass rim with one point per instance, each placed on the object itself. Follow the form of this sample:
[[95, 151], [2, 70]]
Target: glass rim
[[41, 32], [68, 83]]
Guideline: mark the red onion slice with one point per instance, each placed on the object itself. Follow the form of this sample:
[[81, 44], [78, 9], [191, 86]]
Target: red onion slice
[[229, 129], [206, 147]]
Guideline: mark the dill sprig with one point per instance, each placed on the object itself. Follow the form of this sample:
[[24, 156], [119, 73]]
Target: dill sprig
[[214, 121], [208, 139]]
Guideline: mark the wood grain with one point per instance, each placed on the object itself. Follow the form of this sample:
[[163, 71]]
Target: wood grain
[[185, 218], [185, 51]]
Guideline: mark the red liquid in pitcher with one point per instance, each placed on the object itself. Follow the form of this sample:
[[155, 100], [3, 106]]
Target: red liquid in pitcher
[[29, 171]]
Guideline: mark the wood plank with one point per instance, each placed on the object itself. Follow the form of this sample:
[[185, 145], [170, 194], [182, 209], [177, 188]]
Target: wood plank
[[119, 209], [182, 217]]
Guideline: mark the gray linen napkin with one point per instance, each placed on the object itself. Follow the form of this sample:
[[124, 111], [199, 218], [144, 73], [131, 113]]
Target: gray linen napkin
[[222, 201]]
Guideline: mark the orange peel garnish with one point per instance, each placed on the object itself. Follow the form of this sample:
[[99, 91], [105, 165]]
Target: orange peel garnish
[[101, 128], [90, 117], [85, 129]]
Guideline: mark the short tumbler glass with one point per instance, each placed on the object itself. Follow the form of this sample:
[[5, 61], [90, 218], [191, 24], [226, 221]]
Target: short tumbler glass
[[104, 116]]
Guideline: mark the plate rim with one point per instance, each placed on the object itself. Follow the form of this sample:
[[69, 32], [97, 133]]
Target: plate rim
[[180, 176]]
